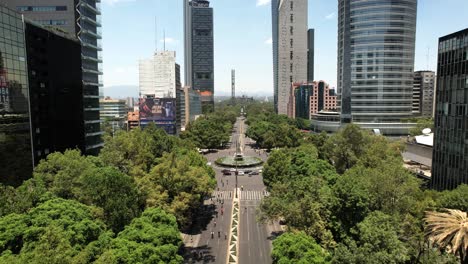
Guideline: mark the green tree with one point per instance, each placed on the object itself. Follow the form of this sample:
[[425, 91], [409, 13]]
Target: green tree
[[298, 248], [455, 199], [377, 241], [208, 133], [54, 232], [151, 238], [177, 186]]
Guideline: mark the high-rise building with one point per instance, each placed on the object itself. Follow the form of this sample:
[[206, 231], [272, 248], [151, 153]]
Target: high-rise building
[[55, 91], [376, 42], [289, 20], [423, 93], [450, 159], [307, 99], [310, 54], [189, 103], [41, 89], [16, 160], [198, 42], [158, 75], [80, 18]]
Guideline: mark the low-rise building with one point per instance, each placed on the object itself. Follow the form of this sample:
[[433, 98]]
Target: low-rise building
[[133, 120], [307, 99]]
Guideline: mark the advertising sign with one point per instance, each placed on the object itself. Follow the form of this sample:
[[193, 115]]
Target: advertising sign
[[157, 109]]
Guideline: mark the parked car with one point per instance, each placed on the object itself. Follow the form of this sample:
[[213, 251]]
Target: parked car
[[227, 173], [225, 170], [241, 173], [232, 170], [247, 171], [253, 173]]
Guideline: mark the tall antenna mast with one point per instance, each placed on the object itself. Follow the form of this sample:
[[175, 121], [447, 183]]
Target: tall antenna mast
[[164, 39], [427, 58]]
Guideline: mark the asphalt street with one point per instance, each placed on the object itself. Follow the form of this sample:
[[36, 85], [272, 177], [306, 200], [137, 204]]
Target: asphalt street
[[254, 237]]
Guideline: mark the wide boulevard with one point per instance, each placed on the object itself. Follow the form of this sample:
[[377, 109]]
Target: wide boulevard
[[208, 241]]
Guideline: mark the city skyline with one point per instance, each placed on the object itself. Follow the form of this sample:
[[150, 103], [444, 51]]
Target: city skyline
[[247, 46]]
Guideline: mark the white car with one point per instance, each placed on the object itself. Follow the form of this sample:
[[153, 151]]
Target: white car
[[232, 170], [241, 173]]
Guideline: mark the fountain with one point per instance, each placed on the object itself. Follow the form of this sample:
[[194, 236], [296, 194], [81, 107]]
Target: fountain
[[239, 160]]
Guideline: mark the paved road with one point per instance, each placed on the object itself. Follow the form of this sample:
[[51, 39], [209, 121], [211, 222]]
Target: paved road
[[254, 237]]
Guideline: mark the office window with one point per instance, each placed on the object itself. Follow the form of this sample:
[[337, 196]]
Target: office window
[[291, 30], [291, 42], [291, 55], [292, 5], [41, 8], [291, 67], [290, 78], [292, 18]]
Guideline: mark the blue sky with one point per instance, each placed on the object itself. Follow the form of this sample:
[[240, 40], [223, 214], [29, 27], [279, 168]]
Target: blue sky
[[242, 31]]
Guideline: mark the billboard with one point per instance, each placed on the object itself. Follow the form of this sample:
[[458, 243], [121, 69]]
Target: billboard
[[157, 109]]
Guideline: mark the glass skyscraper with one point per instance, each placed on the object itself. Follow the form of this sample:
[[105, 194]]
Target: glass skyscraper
[[199, 54], [450, 159], [15, 133], [80, 18], [376, 43]]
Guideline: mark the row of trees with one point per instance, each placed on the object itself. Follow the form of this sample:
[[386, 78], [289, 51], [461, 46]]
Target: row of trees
[[347, 198], [212, 131], [124, 206]]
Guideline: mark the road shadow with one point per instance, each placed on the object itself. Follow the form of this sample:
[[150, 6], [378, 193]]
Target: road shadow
[[202, 217], [199, 254], [275, 234]]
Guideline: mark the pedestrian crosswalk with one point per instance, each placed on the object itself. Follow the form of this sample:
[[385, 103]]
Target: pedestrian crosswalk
[[253, 195], [244, 195]]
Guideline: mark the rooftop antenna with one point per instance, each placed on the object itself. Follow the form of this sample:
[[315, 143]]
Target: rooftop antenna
[[164, 32]]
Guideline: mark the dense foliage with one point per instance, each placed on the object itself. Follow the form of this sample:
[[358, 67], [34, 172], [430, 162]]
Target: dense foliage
[[350, 193], [124, 206], [298, 248]]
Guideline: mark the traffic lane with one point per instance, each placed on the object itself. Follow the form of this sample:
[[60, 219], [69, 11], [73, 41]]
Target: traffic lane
[[254, 243], [215, 249]]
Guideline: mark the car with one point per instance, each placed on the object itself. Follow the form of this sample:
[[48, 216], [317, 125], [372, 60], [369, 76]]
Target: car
[[225, 170], [241, 173], [247, 171], [232, 170], [227, 173], [253, 173]]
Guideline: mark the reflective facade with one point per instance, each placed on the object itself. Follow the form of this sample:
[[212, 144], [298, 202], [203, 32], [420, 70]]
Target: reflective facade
[[376, 43], [80, 18], [199, 53], [450, 158], [16, 159]]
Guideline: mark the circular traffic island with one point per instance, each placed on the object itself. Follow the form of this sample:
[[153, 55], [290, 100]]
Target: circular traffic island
[[244, 162]]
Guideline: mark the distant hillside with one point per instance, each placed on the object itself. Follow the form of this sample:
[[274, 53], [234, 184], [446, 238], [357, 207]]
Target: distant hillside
[[121, 91]]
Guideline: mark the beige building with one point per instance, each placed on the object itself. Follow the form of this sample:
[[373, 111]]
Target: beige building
[[289, 20]]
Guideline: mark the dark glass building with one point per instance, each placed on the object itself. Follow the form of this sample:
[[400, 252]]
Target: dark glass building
[[81, 19], [199, 56], [450, 156], [16, 161], [310, 55], [55, 91]]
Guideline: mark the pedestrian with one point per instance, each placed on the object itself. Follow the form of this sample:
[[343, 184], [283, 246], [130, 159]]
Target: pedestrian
[[225, 235], [219, 234], [212, 234], [227, 182], [215, 223]]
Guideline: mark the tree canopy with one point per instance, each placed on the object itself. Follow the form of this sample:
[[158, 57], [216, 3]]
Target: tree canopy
[[292, 248]]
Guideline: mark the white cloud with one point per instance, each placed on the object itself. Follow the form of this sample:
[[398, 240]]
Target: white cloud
[[269, 41], [330, 16], [113, 2], [263, 2], [169, 40]]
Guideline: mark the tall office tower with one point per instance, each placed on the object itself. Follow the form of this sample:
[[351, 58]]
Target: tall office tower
[[310, 54], [423, 93], [289, 23], [233, 84], [198, 43], [158, 75], [376, 42], [80, 18], [16, 160], [55, 90], [450, 162]]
